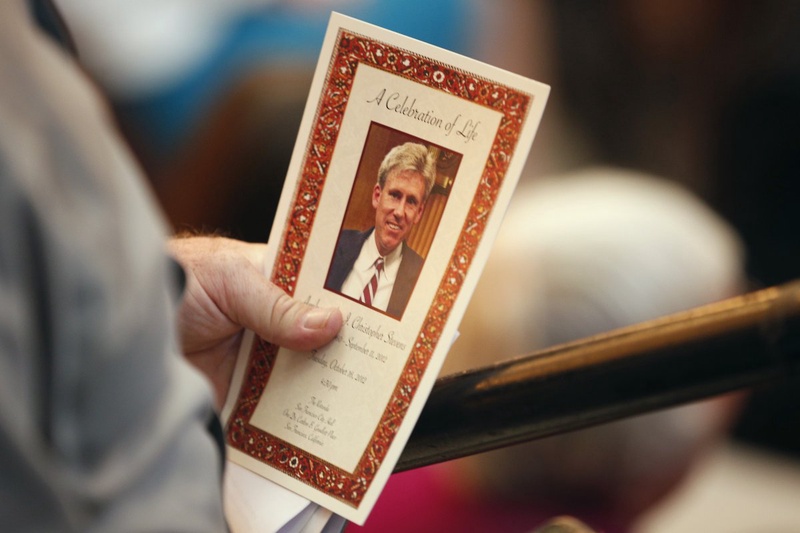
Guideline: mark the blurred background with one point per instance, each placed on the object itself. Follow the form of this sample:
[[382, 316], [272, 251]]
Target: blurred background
[[681, 117]]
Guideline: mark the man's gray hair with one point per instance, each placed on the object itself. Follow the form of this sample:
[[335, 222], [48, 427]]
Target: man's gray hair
[[409, 156]]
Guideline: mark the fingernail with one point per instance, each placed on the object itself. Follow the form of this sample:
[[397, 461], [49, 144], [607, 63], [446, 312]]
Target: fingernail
[[316, 318]]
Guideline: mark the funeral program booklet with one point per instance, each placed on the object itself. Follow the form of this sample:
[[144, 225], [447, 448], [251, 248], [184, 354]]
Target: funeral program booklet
[[406, 159]]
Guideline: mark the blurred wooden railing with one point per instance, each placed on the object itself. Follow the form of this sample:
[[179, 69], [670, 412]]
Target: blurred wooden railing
[[731, 345]]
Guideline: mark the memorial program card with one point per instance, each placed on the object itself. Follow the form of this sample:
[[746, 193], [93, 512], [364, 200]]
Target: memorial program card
[[406, 158]]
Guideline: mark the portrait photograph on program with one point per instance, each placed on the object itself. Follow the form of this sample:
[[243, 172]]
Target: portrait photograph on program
[[398, 196]]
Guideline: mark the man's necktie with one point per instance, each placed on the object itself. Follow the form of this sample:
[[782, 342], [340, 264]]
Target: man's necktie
[[369, 290]]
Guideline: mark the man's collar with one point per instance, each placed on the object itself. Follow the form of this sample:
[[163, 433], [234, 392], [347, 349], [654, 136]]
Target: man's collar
[[394, 255]]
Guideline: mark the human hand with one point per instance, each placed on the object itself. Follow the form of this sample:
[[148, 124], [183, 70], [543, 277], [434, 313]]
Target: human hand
[[226, 293]]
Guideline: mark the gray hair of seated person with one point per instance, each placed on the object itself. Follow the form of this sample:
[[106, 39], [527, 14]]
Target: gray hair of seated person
[[578, 255]]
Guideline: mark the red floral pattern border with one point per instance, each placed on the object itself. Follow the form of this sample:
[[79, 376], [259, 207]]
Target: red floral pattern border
[[350, 51]]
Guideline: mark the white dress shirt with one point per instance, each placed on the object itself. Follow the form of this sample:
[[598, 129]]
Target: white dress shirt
[[364, 268]]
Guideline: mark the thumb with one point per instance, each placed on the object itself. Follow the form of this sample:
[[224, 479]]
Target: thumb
[[261, 306]]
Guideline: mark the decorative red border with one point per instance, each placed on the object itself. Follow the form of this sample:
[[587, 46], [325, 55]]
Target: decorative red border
[[350, 51]]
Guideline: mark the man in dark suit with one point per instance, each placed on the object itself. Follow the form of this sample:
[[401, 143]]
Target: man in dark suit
[[376, 266]]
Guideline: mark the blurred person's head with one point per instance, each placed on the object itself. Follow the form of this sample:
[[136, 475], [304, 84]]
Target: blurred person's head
[[599, 249], [579, 255]]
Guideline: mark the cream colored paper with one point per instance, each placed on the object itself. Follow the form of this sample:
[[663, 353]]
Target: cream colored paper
[[331, 424]]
